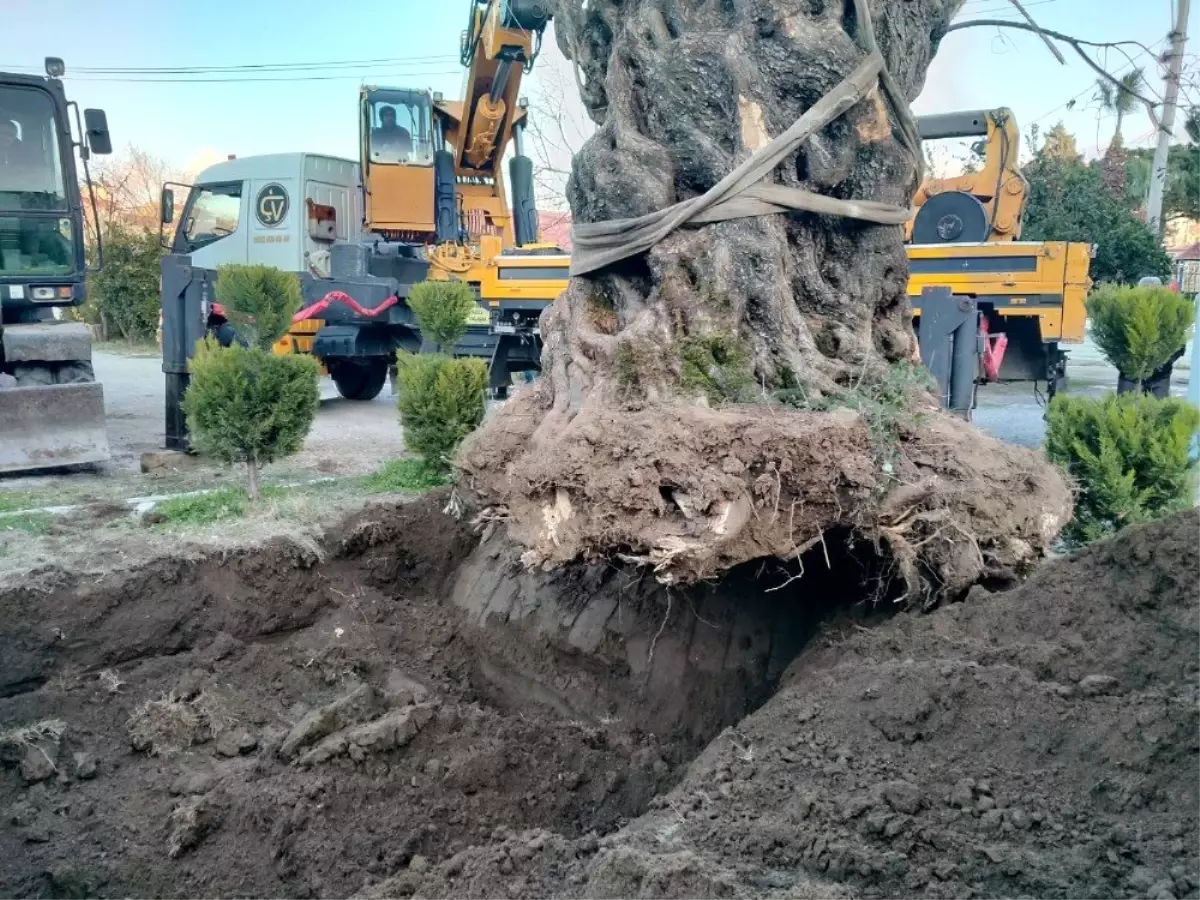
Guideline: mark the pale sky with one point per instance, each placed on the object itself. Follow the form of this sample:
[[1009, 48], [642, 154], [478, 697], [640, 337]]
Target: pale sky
[[309, 104]]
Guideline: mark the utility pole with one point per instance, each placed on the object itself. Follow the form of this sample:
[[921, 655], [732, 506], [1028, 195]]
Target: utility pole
[[1158, 171]]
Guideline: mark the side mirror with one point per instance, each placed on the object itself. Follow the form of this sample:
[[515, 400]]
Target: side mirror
[[166, 206], [95, 124]]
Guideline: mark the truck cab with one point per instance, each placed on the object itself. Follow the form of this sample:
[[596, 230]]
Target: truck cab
[[283, 210]]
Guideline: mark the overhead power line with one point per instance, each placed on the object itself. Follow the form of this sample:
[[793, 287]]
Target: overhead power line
[[997, 8], [243, 67], [357, 76]]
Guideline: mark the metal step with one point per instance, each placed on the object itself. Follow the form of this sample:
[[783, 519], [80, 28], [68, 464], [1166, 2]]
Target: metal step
[[48, 426]]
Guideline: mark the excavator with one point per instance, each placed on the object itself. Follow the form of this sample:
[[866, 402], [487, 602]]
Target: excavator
[[965, 236], [430, 204], [51, 407]]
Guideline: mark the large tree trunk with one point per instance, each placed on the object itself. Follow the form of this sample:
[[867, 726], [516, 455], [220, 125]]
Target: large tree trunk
[[745, 386]]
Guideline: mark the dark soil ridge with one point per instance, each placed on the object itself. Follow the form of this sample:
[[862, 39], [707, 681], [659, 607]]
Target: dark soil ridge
[[1042, 742], [291, 719]]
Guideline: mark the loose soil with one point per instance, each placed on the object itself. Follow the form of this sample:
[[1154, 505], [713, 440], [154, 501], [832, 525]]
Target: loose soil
[[384, 713]]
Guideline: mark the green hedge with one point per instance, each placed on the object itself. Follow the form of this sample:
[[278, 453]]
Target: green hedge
[[249, 405], [441, 401], [1138, 329], [442, 309], [259, 301], [124, 293], [1128, 455]]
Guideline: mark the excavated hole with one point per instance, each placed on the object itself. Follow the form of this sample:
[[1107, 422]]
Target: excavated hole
[[568, 702], [838, 582]]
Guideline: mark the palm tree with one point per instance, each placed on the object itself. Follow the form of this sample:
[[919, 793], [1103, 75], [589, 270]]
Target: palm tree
[[1121, 97]]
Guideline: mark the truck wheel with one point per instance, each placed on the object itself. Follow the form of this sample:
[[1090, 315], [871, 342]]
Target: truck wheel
[[76, 373], [28, 375], [359, 380]]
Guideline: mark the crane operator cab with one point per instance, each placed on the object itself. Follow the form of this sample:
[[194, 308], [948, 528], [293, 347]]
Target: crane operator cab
[[398, 154]]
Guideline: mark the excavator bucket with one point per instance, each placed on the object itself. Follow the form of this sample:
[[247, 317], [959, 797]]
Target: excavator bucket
[[48, 426]]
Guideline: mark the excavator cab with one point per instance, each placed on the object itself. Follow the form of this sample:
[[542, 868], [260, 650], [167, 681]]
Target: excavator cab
[[399, 149]]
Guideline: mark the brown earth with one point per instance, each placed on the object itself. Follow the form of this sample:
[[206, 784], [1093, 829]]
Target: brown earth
[[390, 716], [284, 721]]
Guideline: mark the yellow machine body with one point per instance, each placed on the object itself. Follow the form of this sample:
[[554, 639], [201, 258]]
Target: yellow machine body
[[997, 185], [1043, 281], [965, 233]]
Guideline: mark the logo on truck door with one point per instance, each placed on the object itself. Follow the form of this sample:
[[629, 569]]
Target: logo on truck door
[[271, 207]]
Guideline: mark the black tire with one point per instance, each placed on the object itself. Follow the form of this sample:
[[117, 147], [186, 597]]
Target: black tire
[[359, 380], [33, 375], [76, 373]]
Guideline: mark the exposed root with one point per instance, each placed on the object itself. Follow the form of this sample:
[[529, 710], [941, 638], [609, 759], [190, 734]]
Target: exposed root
[[654, 642], [169, 724]]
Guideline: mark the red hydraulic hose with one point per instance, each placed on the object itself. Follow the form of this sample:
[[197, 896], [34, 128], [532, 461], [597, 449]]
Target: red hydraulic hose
[[311, 312], [994, 346]]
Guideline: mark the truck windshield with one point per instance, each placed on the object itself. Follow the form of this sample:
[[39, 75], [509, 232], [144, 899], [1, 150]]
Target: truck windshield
[[212, 212], [31, 175], [400, 127]]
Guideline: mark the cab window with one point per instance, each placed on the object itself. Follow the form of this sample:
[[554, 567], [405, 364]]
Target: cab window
[[31, 176], [400, 128], [212, 212]]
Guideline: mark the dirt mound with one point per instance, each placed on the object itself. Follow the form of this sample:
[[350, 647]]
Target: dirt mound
[[1041, 742], [280, 721], [384, 713]]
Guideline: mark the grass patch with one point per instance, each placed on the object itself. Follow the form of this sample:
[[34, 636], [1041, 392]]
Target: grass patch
[[14, 501], [140, 348], [30, 523], [884, 401], [203, 509], [403, 476]]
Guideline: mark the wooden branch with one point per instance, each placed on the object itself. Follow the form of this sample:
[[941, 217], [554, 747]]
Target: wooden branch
[[1038, 30], [1076, 44]]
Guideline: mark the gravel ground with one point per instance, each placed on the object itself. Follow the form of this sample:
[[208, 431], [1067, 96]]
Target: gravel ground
[[348, 437], [1013, 412]]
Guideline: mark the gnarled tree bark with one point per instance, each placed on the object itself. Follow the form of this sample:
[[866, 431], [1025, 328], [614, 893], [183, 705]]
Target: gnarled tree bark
[[747, 385]]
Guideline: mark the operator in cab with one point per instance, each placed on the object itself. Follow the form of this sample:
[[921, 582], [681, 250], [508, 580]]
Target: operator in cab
[[389, 137], [12, 148], [8, 135]]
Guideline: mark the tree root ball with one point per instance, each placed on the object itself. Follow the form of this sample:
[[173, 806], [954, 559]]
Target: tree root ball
[[694, 491], [747, 385]]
